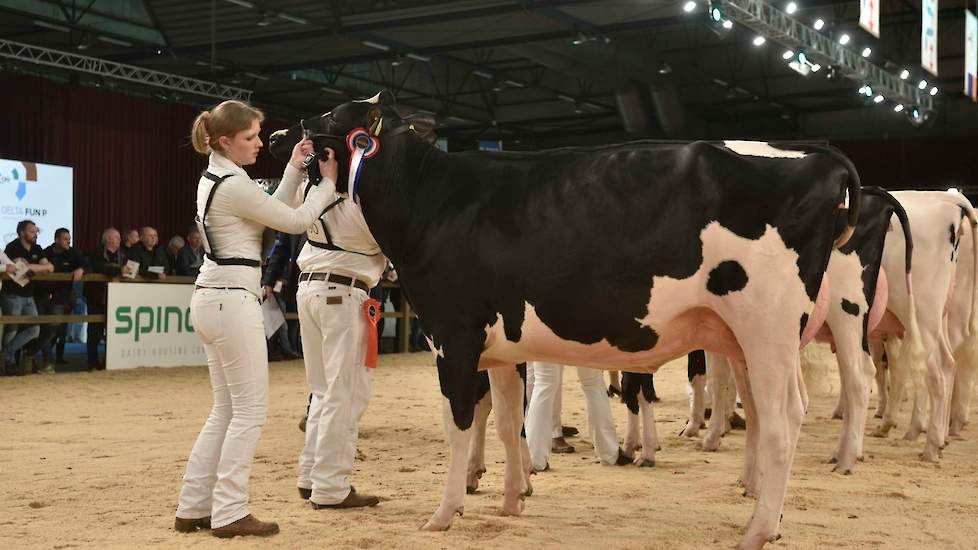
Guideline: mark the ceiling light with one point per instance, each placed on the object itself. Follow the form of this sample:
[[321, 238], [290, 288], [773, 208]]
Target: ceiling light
[[376, 46], [759, 40], [788, 54], [933, 91], [115, 41], [242, 3], [816, 68], [904, 74], [515, 84], [258, 76], [51, 26], [728, 24], [292, 18], [844, 39], [878, 99], [922, 84], [482, 74], [898, 108], [791, 8], [819, 24], [418, 57], [689, 6], [867, 51]]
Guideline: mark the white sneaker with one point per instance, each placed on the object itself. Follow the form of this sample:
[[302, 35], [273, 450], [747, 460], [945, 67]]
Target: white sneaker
[[48, 369]]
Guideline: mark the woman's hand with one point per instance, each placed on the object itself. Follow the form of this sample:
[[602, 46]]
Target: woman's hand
[[299, 153], [329, 168]]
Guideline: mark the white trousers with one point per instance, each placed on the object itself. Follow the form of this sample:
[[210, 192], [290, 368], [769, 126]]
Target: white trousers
[[542, 420], [334, 330], [229, 323]]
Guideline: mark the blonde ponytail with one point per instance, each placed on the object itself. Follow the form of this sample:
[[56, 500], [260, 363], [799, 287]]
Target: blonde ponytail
[[225, 119]]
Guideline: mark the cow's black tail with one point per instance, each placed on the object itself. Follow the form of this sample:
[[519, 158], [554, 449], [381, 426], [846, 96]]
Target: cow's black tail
[[853, 185], [901, 215]]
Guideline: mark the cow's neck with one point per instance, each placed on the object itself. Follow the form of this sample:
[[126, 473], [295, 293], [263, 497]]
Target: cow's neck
[[390, 186]]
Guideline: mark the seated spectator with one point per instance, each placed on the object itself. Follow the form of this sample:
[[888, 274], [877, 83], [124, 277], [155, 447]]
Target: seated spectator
[[173, 248], [57, 297], [191, 257], [17, 300], [109, 260], [153, 263], [132, 237]]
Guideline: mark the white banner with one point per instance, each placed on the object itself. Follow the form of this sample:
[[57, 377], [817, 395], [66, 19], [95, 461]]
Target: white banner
[[149, 326], [971, 56], [869, 16], [38, 192], [928, 37]]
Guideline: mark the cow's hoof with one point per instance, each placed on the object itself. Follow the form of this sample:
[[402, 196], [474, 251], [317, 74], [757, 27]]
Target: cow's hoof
[[844, 470], [513, 508], [737, 423], [645, 463], [471, 489], [528, 492], [833, 460], [613, 391], [623, 459], [836, 416], [441, 522]]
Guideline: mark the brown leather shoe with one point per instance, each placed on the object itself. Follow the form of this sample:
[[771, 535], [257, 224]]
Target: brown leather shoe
[[305, 494], [352, 500], [559, 445], [246, 526], [183, 525]]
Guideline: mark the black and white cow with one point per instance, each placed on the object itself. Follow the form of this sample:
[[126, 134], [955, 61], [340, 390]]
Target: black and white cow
[[937, 221], [617, 257]]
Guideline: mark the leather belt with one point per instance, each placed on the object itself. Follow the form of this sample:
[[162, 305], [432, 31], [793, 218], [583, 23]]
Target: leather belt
[[334, 278], [198, 287]]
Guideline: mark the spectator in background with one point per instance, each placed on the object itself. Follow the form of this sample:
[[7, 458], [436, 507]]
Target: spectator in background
[[280, 281], [17, 300], [57, 297], [153, 263], [191, 256], [173, 248], [109, 260], [132, 237]]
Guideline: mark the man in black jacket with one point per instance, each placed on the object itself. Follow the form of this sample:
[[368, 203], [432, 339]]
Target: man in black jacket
[[152, 258], [57, 297], [18, 300], [109, 260], [281, 267]]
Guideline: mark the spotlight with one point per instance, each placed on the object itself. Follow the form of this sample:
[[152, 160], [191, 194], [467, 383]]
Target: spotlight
[[819, 24], [791, 8], [788, 54], [933, 91], [867, 51], [922, 84], [816, 68], [844, 39], [878, 99], [688, 7], [728, 24], [898, 108], [759, 40]]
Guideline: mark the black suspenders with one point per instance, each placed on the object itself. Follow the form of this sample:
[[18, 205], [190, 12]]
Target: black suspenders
[[329, 239], [212, 253]]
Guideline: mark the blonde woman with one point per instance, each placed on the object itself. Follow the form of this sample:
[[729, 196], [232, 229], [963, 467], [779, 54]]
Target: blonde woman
[[232, 213]]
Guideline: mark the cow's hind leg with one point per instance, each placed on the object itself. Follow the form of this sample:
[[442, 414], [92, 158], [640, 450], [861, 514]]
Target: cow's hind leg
[[855, 390], [507, 394], [964, 377], [774, 390], [720, 382], [697, 408], [876, 350], [650, 439], [477, 449]]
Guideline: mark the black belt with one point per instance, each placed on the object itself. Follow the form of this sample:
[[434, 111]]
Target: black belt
[[198, 287], [333, 278]]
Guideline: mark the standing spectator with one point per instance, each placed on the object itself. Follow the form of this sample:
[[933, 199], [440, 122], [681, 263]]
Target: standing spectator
[[282, 272], [149, 255], [57, 297], [173, 248], [191, 256], [109, 260], [18, 300], [132, 237]]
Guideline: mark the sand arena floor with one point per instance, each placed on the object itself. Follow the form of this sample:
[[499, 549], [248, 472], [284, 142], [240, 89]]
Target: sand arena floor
[[94, 460]]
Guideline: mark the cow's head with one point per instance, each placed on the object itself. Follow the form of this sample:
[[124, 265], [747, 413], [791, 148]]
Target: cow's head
[[370, 124]]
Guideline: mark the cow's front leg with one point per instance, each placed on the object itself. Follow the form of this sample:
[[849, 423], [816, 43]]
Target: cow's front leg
[[697, 408], [459, 380], [477, 448], [650, 439], [507, 394]]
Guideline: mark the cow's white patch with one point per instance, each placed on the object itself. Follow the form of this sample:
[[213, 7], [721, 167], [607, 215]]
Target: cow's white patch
[[435, 350], [373, 100], [277, 133], [761, 149], [681, 311]]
